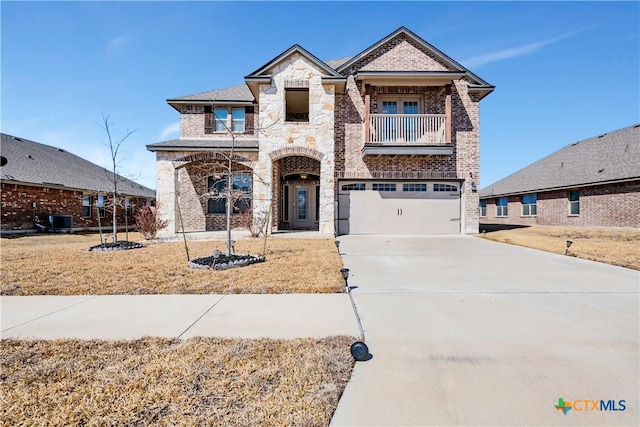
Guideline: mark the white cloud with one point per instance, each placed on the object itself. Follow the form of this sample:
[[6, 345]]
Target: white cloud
[[173, 128], [487, 58], [114, 45]]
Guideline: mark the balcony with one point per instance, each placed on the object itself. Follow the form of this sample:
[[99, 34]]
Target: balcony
[[406, 134]]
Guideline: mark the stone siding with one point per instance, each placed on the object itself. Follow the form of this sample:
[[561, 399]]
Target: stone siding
[[316, 134]]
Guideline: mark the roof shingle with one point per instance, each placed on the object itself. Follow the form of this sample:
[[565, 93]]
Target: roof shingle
[[34, 163], [610, 157]]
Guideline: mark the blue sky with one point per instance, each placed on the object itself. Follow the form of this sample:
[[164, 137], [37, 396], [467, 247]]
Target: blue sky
[[563, 71]]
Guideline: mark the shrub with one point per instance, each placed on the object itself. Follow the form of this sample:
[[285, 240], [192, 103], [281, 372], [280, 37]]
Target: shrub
[[148, 223]]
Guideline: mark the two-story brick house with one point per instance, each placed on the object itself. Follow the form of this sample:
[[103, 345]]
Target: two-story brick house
[[386, 141]]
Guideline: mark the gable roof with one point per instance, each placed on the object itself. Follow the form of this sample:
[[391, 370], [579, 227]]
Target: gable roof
[[476, 83], [30, 162], [296, 48], [613, 156]]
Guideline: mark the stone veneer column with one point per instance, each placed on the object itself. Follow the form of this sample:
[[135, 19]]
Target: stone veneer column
[[166, 195], [317, 134]]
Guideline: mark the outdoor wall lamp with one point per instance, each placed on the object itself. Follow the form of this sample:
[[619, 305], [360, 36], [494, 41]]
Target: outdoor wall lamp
[[473, 186], [569, 243], [337, 242], [345, 276]]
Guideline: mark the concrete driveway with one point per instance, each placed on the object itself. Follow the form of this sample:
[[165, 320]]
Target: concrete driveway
[[464, 331]]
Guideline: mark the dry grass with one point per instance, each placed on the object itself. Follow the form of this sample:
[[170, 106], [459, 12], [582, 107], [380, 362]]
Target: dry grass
[[62, 265], [609, 245], [173, 382]]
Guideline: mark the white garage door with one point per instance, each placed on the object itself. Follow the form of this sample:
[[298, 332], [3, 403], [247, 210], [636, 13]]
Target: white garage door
[[415, 208]]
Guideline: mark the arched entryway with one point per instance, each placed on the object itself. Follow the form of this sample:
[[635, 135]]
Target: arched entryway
[[296, 187]]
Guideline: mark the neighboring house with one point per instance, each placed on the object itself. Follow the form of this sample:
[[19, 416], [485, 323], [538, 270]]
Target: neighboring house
[[385, 141], [591, 183], [38, 181]]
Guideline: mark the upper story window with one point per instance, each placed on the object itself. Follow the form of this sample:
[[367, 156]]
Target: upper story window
[[220, 115], [574, 202], [483, 208], [223, 119], [502, 206], [529, 205], [297, 104]]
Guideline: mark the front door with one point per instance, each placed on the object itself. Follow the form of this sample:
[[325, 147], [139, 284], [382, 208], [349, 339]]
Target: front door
[[303, 214]]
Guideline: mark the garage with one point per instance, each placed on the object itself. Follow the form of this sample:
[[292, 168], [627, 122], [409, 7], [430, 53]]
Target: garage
[[399, 207]]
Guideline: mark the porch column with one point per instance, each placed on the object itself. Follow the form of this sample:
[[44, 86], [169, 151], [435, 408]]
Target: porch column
[[367, 111], [166, 196], [447, 111]]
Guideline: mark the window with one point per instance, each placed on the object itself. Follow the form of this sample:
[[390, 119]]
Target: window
[[87, 201], [445, 187], [101, 209], [414, 187], [384, 187], [297, 105], [529, 205], [360, 186], [483, 208], [220, 115], [217, 185], [399, 128], [574, 202], [127, 208], [502, 206], [237, 119]]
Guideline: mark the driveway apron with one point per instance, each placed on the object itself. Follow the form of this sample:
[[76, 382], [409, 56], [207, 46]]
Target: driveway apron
[[465, 331]]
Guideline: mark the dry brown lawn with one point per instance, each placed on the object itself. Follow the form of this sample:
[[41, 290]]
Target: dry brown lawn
[[201, 381], [62, 265], [609, 245]]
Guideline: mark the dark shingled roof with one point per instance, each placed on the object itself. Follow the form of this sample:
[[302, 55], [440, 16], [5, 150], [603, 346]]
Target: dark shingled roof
[[33, 163], [613, 156], [240, 93]]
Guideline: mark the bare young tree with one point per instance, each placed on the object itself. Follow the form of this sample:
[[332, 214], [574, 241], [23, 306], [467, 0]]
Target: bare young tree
[[114, 147]]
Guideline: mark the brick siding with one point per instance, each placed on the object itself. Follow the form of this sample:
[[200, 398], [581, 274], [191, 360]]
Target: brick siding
[[18, 212], [611, 205]]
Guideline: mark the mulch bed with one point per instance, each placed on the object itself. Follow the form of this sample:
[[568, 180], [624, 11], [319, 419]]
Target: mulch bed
[[122, 245], [223, 262]]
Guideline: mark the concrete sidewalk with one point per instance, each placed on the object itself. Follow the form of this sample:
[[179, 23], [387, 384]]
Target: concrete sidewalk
[[177, 316]]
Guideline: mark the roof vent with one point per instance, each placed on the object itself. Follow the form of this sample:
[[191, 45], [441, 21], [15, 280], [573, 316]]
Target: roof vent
[[30, 157], [16, 138], [601, 170], [61, 150], [3, 160], [600, 136], [636, 126]]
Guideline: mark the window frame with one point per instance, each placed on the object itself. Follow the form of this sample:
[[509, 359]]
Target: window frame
[[217, 205], [384, 187], [100, 204], [220, 125], [289, 116], [89, 198], [415, 187], [238, 121], [531, 207], [483, 208], [502, 210], [574, 201], [444, 188], [354, 186]]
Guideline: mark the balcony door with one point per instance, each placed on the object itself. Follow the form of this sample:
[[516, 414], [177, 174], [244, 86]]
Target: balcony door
[[401, 127]]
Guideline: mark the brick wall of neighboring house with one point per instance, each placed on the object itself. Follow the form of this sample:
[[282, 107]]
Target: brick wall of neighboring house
[[18, 212], [193, 183], [612, 205]]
